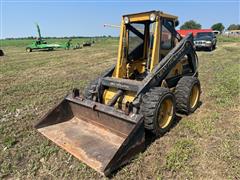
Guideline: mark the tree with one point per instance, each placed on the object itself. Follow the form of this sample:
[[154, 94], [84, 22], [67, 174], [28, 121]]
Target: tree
[[218, 27], [191, 25], [234, 27]]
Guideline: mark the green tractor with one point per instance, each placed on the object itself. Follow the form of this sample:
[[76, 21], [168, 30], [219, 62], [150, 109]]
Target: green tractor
[[41, 44]]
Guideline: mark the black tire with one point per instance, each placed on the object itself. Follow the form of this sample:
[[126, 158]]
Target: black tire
[[214, 46], [28, 50], [151, 105], [1, 53], [210, 48], [90, 88], [185, 101]]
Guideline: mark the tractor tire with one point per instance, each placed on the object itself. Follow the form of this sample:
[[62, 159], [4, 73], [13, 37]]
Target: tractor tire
[[187, 94], [158, 108], [28, 50], [90, 88]]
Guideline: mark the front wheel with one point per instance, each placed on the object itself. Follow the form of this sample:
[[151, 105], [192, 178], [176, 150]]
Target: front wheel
[[210, 48], [214, 46], [158, 109]]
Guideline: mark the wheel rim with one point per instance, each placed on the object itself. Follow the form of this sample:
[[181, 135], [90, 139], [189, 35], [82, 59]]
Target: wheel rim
[[194, 96], [165, 113]]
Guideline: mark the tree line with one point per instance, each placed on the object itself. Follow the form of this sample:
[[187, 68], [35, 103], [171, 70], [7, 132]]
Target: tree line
[[64, 37], [217, 26], [191, 24]]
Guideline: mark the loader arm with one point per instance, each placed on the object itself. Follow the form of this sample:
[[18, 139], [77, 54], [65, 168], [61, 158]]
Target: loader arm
[[159, 73]]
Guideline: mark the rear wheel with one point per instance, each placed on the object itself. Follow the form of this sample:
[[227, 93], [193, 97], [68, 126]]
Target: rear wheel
[[158, 109], [187, 94]]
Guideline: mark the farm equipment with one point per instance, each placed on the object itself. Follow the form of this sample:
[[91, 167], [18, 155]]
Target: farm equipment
[[155, 76], [77, 46], [41, 44], [87, 44]]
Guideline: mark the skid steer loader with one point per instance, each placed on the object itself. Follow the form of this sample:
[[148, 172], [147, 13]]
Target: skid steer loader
[[155, 76]]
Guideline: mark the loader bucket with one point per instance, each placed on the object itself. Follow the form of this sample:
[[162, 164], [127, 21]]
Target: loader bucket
[[100, 136]]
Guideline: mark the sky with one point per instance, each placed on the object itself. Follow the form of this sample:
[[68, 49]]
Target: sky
[[87, 17]]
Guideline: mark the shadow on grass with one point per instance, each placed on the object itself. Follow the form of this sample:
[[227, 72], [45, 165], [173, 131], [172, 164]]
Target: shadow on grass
[[150, 138], [44, 50]]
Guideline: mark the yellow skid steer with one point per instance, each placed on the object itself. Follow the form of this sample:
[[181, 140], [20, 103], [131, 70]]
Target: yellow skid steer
[[155, 76]]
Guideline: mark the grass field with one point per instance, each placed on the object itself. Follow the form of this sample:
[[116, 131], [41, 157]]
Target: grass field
[[204, 145]]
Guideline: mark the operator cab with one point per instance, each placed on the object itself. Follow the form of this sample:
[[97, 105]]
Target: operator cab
[[140, 37], [143, 39]]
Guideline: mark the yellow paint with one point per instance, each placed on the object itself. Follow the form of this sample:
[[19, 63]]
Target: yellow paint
[[124, 69], [156, 43], [121, 104], [136, 66], [168, 16], [177, 70], [121, 68], [194, 97], [117, 73], [165, 115], [138, 17], [146, 16]]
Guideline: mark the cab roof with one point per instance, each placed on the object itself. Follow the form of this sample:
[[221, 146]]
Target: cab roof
[[156, 12]]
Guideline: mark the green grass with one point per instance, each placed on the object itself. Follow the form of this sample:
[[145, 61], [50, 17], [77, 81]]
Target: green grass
[[203, 145], [9, 142], [46, 149], [31, 83], [226, 92], [181, 154], [23, 43], [222, 38], [205, 127], [228, 153], [226, 79]]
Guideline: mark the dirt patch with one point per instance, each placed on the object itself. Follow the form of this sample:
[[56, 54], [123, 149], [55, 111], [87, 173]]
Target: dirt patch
[[236, 44]]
